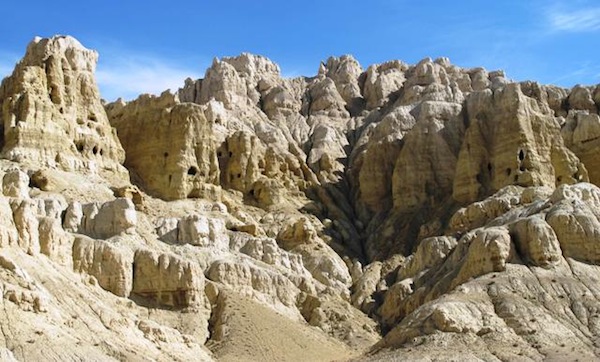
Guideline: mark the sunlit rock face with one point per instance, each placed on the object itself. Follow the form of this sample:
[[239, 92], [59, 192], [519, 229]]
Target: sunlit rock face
[[390, 212], [52, 114]]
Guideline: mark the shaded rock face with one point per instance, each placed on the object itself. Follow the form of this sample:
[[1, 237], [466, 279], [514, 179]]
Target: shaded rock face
[[52, 114], [423, 206]]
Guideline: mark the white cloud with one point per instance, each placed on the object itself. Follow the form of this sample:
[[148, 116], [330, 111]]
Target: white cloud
[[580, 20], [128, 76]]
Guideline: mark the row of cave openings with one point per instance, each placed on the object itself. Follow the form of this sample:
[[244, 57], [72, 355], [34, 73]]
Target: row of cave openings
[[508, 171], [83, 148], [223, 157]]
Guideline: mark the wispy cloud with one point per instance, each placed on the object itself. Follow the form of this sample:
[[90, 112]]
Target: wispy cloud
[[129, 75], [126, 74], [574, 20], [587, 73]]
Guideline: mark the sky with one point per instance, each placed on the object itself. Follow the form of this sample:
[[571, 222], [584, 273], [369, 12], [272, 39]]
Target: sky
[[148, 47]]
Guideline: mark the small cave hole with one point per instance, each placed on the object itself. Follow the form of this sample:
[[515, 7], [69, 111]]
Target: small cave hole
[[80, 147], [239, 175], [230, 153], [166, 154], [521, 155], [192, 171], [559, 179], [516, 177], [101, 152], [219, 154], [95, 150], [92, 117], [61, 110], [522, 168], [252, 192], [508, 171], [489, 167], [218, 120], [479, 178]]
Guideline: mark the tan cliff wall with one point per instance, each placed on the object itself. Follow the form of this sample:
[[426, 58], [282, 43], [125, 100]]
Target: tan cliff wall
[[416, 211]]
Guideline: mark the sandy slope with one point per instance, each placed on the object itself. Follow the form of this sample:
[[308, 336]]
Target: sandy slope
[[257, 333]]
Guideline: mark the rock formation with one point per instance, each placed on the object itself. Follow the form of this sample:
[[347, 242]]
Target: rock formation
[[395, 212], [52, 114]]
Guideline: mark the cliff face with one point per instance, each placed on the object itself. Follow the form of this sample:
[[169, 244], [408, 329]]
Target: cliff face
[[416, 206], [51, 110]]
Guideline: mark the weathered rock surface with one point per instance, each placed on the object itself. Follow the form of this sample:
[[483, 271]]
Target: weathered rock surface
[[111, 266], [415, 211], [52, 114], [167, 279]]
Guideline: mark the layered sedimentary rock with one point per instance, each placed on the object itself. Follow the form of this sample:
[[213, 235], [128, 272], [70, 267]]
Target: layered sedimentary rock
[[52, 114], [176, 154], [398, 211]]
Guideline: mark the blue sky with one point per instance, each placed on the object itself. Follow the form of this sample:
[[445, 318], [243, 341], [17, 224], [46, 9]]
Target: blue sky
[[149, 46]]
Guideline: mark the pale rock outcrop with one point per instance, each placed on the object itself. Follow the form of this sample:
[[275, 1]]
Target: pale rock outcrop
[[176, 154], [111, 266], [15, 183], [345, 72], [441, 202], [581, 134], [267, 251], [297, 232], [382, 81], [233, 80], [537, 242], [197, 230], [574, 217], [425, 167], [481, 212], [55, 242], [101, 220], [52, 114], [489, 251], [9, 234], [496, 280], [511, 139], [580, 98], [27, 223], [259, 283], [325, 100], [381, 143], [430, 253], [167, 279], [241, 161], [299, 236]]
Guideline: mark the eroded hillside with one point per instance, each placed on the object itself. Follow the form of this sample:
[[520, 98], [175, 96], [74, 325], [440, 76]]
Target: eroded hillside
[[423, 211]]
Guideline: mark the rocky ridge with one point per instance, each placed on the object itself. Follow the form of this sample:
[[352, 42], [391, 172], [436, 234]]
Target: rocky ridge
[[402, 211]]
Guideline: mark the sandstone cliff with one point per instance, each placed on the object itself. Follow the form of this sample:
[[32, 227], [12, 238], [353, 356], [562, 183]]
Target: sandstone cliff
[[403, 211], [51, 110]]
